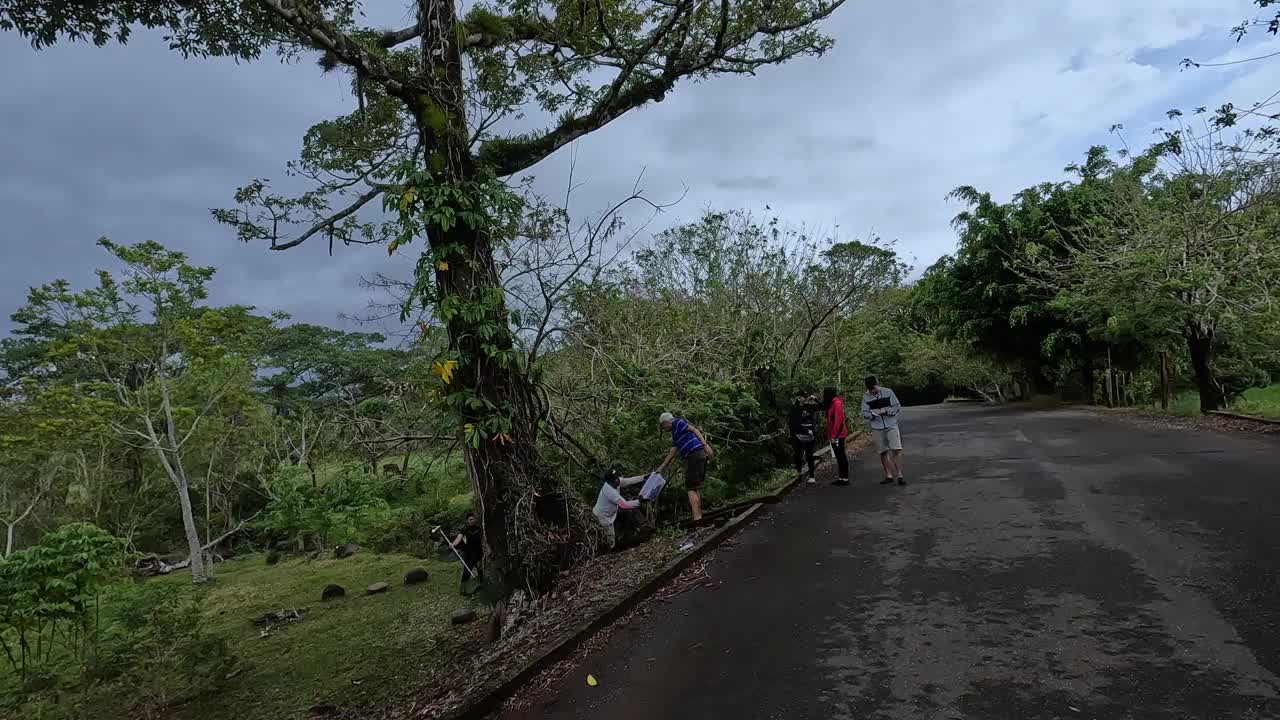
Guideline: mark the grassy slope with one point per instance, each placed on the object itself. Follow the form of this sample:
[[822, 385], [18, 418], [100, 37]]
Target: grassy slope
[[345, 651], [1263, 402], [360, 650]]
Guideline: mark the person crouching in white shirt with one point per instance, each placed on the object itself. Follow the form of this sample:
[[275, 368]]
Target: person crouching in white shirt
[[610, 505]]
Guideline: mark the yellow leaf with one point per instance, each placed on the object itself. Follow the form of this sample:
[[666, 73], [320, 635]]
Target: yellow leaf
[[444, 370], [406, 199], [468, 430], [591, 680], [442, 266], [504, 438]]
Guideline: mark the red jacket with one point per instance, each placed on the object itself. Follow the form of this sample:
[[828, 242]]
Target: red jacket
[[835, 420]]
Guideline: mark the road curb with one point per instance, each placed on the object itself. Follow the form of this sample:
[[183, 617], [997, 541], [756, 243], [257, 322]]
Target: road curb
[[1250, 418], [501, 689]]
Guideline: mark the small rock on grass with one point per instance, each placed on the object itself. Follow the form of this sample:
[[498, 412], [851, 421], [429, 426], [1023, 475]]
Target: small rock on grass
[[462, 617], [332, 592], [415, 576], [345, 551], [378, 587]]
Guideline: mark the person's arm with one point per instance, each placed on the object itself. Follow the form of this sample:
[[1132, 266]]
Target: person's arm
[[894, 405], [701, 439], [665, 461], [867, 412], [457, 540], [628, 504], [636, 480]]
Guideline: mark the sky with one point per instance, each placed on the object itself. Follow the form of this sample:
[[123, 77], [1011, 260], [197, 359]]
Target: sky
[[137, 144]]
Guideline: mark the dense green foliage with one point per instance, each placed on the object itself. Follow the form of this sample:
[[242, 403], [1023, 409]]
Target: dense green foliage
[[1166, 258], [203, 432]]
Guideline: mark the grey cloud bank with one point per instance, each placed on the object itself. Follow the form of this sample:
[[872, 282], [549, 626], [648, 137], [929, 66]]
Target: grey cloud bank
[[135, 143]]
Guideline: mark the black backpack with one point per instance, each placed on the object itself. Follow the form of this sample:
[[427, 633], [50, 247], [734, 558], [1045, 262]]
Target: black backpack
[[805, 425]]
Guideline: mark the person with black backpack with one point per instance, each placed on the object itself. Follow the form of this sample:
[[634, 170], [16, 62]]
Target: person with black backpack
[[803, 420]]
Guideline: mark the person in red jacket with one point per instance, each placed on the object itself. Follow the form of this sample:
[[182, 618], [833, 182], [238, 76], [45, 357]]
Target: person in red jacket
[[837, 431]]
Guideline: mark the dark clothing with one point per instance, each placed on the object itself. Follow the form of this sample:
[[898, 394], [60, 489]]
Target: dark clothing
[[472, 551], [842, 460], [695, 468], [804, 422], [800, 451], [472, 547]]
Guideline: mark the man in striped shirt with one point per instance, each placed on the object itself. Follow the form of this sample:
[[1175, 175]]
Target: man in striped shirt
[[689, 442]]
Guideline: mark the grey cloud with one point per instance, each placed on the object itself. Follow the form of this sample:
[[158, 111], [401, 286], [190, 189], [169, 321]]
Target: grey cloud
[[136, 143], [746, 182]]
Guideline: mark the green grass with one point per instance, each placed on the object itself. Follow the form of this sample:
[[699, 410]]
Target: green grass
[[1264, 402], [354, 651], [1185, 404]]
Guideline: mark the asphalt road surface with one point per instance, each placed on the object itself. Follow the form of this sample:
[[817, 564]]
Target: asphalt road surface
[[1038, 565]]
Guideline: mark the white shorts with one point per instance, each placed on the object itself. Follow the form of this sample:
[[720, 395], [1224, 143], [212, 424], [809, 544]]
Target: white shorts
[[887, 440]]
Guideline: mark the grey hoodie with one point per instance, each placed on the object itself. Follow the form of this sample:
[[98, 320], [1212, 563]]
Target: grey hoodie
[[890, 417]]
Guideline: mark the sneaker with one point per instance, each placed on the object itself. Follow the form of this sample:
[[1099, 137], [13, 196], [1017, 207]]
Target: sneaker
[[810, 481], [902, 481], [887, 481], [840, 481], [686, 545]]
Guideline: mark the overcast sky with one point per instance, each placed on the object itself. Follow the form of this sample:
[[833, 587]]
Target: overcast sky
[[135, 143]]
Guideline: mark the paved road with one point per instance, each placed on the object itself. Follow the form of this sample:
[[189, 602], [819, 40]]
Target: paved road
[[1040, 565]]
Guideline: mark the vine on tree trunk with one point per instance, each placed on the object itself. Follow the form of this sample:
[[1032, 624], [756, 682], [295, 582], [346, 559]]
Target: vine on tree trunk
[[533, 528]]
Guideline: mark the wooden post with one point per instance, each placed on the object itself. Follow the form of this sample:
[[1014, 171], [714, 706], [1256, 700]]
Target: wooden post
[[1111, 381], [1164, 381]]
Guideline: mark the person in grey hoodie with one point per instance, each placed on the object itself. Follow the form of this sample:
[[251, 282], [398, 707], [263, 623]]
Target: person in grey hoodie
[[880, 408], [610, 505]]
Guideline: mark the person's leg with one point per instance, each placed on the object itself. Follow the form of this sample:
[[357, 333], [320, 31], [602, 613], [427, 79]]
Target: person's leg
[[797, 455], [624, 527], [895, 452], [813, 460], [842, 461], [695, 470], [882, 448]]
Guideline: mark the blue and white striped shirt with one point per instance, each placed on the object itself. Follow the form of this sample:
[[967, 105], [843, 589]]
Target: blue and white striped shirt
[[683, 439]]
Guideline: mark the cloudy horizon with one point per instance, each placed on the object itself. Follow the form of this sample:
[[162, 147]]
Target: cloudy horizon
[[136, 144]]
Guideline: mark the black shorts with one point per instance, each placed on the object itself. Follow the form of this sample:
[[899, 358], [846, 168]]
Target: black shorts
[[695, 469]]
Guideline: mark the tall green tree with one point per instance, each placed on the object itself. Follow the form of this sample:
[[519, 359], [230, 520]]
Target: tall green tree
[[425, 143], [157, 365], [1183, 247]]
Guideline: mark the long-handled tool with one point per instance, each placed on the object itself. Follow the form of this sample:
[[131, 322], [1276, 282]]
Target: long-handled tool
[[470, 572]]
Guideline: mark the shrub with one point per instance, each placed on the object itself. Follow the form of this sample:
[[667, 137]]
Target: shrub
[[158, 651], [343, 508], [49, 596]]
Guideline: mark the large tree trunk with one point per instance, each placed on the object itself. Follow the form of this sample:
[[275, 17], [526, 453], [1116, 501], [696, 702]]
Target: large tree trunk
[[198, 572], [1200, 345], [527, 521]]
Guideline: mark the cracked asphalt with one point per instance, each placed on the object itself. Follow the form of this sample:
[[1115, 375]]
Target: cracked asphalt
[[1038, 565]]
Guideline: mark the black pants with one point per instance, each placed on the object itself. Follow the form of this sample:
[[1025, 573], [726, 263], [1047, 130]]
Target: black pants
[[473, 563], [802, 450], [842, 460]]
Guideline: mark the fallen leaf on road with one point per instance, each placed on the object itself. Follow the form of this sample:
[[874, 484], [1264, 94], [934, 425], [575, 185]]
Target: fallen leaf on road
[[591, 680]]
